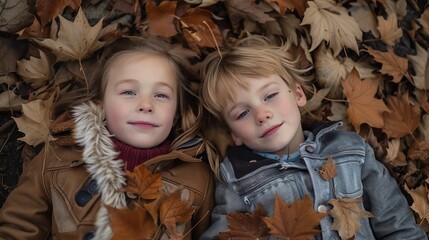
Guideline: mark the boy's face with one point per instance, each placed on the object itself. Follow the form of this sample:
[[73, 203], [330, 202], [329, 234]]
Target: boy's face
[[265, 116], [140, 99]]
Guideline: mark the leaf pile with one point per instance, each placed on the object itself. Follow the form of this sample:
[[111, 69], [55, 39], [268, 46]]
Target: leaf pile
[[370, 59]]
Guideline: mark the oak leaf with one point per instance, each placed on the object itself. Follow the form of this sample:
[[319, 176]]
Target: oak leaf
[[76, 40], [363, 107], [144, 183], [332, 23], [161, 18], [49, 9], [296, 221], [392, 64], [246, 225], [347, 214], [133, 223], [403, 118], [329, 169], [35, 71]]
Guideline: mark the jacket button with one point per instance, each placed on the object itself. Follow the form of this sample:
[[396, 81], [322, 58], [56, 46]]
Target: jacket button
[[88, 236], [309, 148], [82, 198], [92, 187], [322, 209]]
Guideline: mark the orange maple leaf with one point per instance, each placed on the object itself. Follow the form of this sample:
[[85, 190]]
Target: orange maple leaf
[[296, 221], [281, 6], [144, 183], [161, 18], [246, 225], [131, 223], [363, 107], [404, 117], [173, 211], [392, 64], [49, 9], [329, 170]]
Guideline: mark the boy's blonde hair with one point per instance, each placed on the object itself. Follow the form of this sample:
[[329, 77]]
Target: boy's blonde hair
[[253, 57], [187, 121]]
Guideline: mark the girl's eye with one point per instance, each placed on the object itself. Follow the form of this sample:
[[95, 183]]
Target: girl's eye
[[271, 96], [128, 92], [161, 95], [243, 114]]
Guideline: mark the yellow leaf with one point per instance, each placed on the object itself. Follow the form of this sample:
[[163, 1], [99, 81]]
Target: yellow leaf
[[35, 121], [332, 23], [76, 40], [347, 214]]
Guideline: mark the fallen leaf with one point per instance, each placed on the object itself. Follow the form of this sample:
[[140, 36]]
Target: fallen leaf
[[35, 71], [328, 170], [363, 15], [129, 223], [160, 18], [246, 225], [333, 24], [389, 30], [10, 52], [296, 221], [347, 214], [419, 151], [174, 211], [420, 201], [395, 156], [239, 10], [363, 107], [281, 6], [393, 65], [403, 117], [76, 40], [144, 183], [420, 63], [35, 121], [15, 15], [49, 9], [10, 101]]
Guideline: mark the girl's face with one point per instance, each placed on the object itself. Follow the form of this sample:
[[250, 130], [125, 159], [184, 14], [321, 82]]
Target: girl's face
[[265, 116], [140, 99]]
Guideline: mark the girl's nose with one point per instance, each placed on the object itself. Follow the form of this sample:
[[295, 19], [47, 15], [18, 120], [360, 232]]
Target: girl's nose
[[145, 106]]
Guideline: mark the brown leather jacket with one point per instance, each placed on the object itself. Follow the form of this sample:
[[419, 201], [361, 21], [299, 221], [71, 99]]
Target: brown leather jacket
[[59, 197]]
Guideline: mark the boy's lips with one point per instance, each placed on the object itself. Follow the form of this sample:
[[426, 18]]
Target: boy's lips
[[144, 124], [270, 131]]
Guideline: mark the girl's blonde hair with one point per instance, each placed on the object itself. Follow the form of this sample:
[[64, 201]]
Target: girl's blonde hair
[[252, 57], [187, 122]]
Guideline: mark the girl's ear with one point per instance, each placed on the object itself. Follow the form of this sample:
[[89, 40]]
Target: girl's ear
[[301, 99], [236, 140]]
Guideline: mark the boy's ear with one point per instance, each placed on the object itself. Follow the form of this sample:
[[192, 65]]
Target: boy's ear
[[236, 140], [301, 99]]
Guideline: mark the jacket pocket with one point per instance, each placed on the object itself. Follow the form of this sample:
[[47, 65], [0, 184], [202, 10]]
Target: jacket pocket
[[348, 180]]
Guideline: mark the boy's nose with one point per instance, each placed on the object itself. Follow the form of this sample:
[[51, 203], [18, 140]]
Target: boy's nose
[[263, 117]]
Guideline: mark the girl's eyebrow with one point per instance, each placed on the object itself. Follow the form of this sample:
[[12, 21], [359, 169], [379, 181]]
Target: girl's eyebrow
[[131, 80]]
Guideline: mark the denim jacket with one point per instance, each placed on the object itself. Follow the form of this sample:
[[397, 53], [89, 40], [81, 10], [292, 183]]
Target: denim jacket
[[250, 179]]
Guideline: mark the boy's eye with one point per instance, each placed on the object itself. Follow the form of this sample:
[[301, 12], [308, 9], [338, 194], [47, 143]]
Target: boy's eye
[[128, 92], [271, 96], [242, 114]]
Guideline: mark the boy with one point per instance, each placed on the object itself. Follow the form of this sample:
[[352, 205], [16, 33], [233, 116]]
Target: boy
[[256, 91]]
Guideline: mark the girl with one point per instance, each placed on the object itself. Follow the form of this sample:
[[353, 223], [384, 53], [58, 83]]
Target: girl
[[144, 129]]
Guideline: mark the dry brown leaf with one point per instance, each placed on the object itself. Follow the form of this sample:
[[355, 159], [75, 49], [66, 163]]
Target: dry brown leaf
[[246, 225], [49, 9], [403, 118], [174, 211], [35, 71], [35, 30], [363, 107], [15, 14], [161, 18], [347, 215], [329, 169], [424, 21], [389, 30], [202, 3], [333, 24], [420, 63], [247, 10], [393, 65], [77, 40], [281, 6], [395, 156], [35, 121], [363, 15], [420, 201], [296, 221], [129, 223], [144, 183], [419, 151]]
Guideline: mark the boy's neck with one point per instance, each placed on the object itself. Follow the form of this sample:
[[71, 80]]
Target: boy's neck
[[293, 146]]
